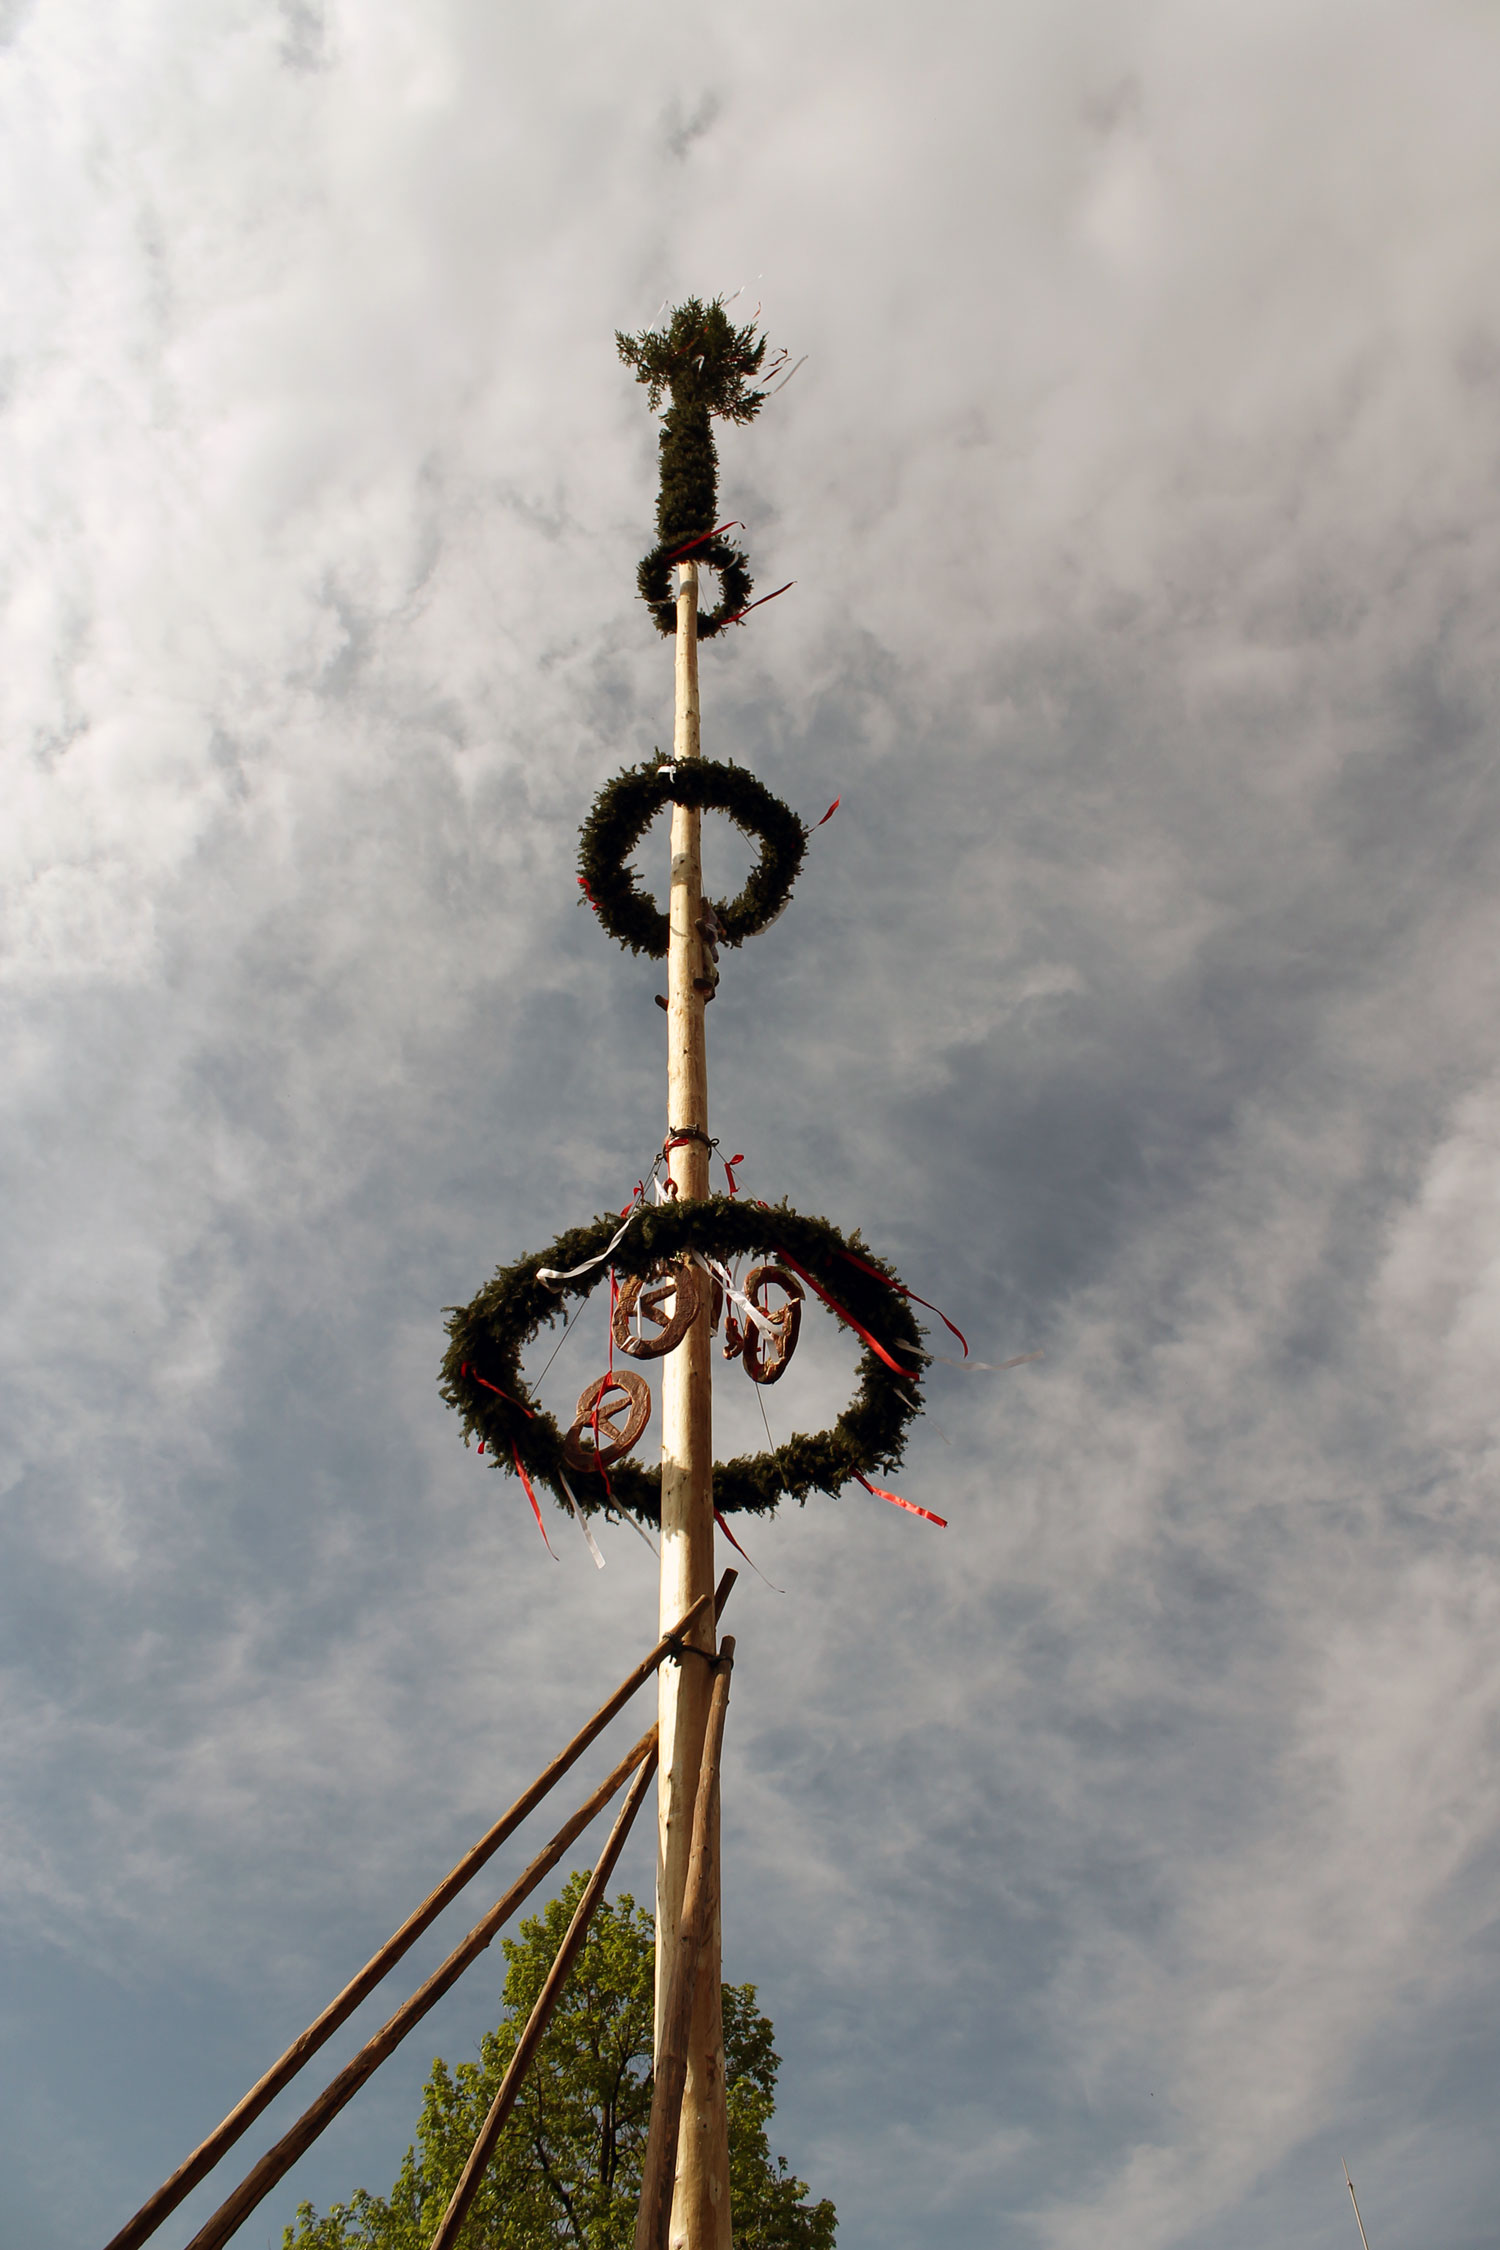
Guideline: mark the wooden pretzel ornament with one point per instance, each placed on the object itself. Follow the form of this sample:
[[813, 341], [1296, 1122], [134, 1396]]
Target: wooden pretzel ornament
[[767, 1357], [645, 1295], [594, 1417]]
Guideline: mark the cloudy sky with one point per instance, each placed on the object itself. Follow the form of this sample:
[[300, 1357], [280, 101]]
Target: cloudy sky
[[1116, 1861]]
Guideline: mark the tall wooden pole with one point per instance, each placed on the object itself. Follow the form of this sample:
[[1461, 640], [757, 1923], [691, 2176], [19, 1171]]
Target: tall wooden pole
[[700, 2202]]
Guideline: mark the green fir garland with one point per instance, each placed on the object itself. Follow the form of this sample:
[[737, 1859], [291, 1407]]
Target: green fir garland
[[482, 1377], [706, 365], [625, 808]]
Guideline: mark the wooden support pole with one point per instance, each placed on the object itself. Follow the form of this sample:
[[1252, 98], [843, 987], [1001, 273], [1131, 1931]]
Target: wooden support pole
[[206, 2155], [701, 2209], [1354, 2199], [295, 2142], [663, 2164], [541, 2015]]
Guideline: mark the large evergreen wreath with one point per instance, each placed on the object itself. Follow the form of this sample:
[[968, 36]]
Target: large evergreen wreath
[[625, 808], [482, 1377], [707, 366]]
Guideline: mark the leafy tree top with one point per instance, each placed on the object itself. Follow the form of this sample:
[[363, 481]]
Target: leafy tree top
[[701, 359], [567, 2172]]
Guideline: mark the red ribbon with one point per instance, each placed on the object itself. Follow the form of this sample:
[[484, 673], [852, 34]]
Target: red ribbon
[[896, 1500], [911, 1374], [729, 1163], [739, 1550], [902, 1291], [495, 1387], [583, 885], [702, 540], [737, 615], [833, 808], [531, 1496]]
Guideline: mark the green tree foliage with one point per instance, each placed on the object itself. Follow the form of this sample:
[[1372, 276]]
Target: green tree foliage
[[566, 2174]]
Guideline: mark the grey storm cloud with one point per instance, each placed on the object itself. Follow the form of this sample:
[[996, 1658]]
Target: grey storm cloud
[[1114, 1862]]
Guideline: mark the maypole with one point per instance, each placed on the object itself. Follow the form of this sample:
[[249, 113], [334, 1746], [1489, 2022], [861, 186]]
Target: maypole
[[700, 2206], [706, 366], [672, 1258]]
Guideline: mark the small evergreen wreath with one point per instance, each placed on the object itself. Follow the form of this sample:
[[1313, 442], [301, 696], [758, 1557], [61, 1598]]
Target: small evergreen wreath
[[654, 582], [481, 1374], [625, 808]]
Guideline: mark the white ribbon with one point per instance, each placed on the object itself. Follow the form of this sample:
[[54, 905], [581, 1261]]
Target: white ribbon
[[551, 1274], [627, 1517], [983, 1366], [582, 1521], [763, 1321]]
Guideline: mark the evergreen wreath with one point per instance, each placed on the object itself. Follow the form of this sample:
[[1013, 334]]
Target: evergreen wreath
[[625, 808], [481, 1375], [707, 366]]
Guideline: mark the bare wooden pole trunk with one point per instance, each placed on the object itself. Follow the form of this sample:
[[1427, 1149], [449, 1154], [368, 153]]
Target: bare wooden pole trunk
[[700, 2208], [674, 2025]]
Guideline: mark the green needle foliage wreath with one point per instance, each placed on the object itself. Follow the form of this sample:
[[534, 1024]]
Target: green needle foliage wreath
[[625, 808], [481, 1375], [707, 366]]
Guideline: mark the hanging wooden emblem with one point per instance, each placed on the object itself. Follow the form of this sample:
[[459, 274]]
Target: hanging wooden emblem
[[766, 1357], [597, 1440], [649, 1294]]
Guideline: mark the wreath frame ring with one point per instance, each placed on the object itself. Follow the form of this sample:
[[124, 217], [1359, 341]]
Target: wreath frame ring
[[481, 1374], [624, 810]]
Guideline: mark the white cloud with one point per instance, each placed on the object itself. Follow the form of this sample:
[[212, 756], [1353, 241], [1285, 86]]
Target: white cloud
[[1101, 1856]]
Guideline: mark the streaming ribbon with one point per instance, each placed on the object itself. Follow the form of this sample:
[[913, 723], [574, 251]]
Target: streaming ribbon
[[738, 616], [582, 1521], [552, 1276], [902, 1291], [912, 1374], [495, 1387], [896, 1500], [739, 1550], [985, 1366], [720, 1273], [702, 540], [531, 1496]]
